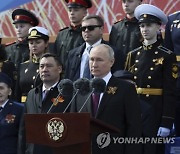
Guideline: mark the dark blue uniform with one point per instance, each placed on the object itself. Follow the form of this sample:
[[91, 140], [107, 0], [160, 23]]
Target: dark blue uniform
[[172, 41], [10, 118], [155, 72]]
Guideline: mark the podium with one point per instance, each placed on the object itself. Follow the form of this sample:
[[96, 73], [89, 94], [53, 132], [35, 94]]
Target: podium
[[68, 133]]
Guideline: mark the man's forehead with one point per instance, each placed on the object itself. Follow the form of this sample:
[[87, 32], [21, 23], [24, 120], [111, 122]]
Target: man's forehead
[[47, 60]]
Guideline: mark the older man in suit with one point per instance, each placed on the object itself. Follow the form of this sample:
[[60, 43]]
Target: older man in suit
[[118, 105]]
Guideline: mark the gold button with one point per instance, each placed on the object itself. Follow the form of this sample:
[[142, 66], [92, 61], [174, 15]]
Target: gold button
[[37, 70], [151, 68], [34, 77], [156, 52], [138, 53], [147, 95], [139, 90], [32, 86], [136, 69], [154, 60], [135, 77], [137, 61], [149, 77], [148, 86]]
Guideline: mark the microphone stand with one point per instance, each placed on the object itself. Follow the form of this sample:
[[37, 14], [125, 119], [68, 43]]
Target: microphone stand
[[77, 91], [86, 100]]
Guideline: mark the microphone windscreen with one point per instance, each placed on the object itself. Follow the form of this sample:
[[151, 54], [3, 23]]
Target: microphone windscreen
[[98, 84], [83, 84], [65, 87]]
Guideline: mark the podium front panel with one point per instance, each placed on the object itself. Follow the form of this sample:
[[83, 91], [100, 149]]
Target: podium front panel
[[56, 130]]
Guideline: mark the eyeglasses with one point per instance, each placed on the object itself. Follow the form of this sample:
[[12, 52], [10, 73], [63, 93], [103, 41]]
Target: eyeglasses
[[90, 28]]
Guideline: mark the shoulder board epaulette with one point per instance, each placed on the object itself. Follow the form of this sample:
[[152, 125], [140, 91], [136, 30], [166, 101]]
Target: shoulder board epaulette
[[25, 62], [118, 21], [134, 50], [10, 43], [164, 49], [63, 29]]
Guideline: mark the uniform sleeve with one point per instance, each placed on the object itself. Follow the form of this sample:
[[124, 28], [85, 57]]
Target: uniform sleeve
[[169, 90], [168, 39]]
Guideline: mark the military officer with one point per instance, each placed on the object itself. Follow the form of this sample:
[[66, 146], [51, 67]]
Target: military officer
[[125, 34], [11, 114], [18, 51], [29, 71], [155, 72], [70, 37], [172, 42]]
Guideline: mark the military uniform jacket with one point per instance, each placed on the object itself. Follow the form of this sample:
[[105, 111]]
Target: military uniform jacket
[[67, 39], [73, 64], [172, 33], [28, 77], [10, 119], [119, 107], [154, 66], [125, 35], [17, 52]]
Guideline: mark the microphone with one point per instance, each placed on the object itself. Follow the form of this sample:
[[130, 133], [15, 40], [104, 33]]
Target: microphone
[[97, 85], [65, 88], [81, 86]]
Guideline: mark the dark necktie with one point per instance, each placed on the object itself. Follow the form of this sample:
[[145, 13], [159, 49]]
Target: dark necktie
[[86, 73], [95, 101], [45, 93]]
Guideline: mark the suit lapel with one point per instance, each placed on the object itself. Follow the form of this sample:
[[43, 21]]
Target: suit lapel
[[78, 59], [106, 97]]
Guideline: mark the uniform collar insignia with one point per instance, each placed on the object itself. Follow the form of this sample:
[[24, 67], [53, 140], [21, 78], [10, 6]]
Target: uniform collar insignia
[[111, 90]]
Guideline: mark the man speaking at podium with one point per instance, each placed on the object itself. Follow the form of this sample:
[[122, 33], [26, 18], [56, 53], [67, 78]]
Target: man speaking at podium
[[46, 98], [118, 105]]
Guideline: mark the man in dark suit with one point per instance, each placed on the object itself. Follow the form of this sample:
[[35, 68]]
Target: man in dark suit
[[10, 117], [40, 99], [118, 105], [77, 62], [70, 37]]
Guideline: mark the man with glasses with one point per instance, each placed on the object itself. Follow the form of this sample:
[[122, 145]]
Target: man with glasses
[[78, 58], [70, 37]]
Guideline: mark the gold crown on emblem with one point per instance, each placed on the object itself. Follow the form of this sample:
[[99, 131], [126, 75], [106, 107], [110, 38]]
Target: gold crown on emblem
[[73, 1], [33, 32]]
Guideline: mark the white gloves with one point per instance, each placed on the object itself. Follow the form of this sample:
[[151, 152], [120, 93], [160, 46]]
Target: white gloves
[[163, 132]]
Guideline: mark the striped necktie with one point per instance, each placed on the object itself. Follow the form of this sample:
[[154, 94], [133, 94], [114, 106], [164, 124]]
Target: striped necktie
[[86, 73]]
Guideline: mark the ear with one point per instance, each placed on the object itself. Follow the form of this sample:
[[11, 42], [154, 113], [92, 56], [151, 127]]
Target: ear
[[60, 69], [10, 92], [112, 62]]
